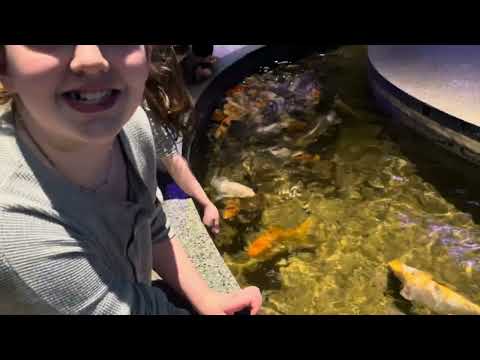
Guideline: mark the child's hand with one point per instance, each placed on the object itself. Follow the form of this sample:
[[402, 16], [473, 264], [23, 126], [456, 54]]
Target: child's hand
[[216, 303], [211, 217]]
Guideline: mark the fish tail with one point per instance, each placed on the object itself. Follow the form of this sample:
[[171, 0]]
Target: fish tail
[[304, 227], [266, 240], [451, 297]]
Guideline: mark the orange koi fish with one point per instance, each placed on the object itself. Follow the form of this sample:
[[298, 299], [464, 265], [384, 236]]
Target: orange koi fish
[[267, 239]]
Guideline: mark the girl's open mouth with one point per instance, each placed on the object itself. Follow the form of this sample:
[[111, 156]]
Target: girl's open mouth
[[91, 101]]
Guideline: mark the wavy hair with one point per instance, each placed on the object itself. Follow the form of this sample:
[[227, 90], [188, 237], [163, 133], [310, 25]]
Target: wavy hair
[[167, 100]]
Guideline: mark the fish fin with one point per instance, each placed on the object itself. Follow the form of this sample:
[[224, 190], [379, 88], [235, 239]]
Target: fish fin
[[213, 180], [218, 178], [406, 293], [215, 176]]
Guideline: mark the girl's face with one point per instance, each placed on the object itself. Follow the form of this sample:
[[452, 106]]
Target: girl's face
[[77, 93]]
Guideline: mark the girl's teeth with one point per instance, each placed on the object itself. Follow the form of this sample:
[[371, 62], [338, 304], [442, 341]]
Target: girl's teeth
[[94, 96], [91, 96]]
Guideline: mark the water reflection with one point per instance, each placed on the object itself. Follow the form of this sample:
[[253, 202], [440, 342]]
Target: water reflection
[[339, 192]]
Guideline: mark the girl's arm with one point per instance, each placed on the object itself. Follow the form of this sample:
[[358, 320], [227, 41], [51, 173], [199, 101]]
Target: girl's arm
[[172, 263], [179, 170]]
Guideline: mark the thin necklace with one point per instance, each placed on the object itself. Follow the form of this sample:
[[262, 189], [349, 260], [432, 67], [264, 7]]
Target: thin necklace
[[52, 164]]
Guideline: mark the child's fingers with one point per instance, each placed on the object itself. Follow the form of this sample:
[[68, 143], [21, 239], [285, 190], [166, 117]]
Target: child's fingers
[[207, 220], [248, 297], [255, 298], [216, 225]]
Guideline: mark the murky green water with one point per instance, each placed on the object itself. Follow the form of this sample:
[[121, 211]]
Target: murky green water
[[371, 191]]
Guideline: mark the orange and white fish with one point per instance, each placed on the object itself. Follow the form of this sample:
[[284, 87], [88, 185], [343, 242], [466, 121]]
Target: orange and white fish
[[267, 239], [420, 287]]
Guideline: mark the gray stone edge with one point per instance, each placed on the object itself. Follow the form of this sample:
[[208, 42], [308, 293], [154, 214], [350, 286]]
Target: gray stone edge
[[189, 229]]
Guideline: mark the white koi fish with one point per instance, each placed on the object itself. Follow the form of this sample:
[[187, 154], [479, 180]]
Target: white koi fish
[[420, 287], [230, 189]]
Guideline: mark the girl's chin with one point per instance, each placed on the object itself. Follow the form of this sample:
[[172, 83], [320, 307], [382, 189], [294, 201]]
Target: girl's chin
[[101, 131]]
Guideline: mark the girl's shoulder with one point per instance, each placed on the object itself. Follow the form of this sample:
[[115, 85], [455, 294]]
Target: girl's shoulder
[[138, 127], [140, 147], [17, 180], [10, 156]]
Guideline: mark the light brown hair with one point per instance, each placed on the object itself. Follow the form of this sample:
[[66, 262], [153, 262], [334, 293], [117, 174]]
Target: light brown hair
[[166, 96]]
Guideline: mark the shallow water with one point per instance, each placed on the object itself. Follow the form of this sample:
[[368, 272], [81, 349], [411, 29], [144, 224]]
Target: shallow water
[[370, 190]]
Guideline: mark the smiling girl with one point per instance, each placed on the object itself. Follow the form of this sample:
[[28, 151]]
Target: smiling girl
[[80, 224]]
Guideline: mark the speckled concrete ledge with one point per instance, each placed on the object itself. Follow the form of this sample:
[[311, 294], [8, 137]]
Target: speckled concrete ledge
[[189, 229]]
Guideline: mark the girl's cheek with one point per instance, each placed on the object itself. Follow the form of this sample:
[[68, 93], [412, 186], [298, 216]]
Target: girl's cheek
[[39, 78], [24, 64], [24, 61], [137, 61], [137, 58]]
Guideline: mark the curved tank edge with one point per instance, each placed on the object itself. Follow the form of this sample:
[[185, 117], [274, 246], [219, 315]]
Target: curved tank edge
[[449, 132]]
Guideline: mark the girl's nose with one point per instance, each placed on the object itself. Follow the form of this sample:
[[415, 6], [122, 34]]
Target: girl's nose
[[88, 60]]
